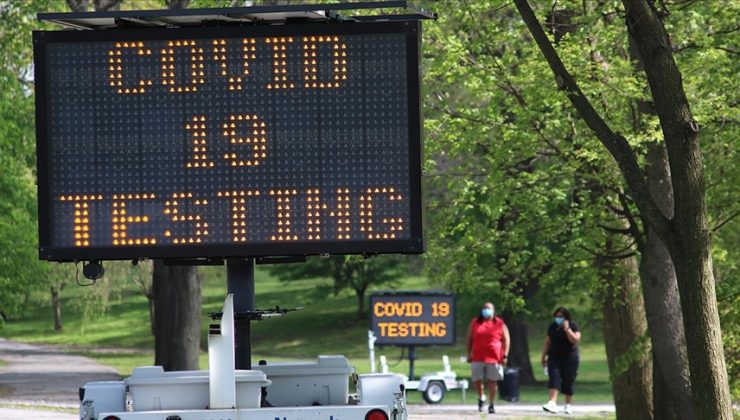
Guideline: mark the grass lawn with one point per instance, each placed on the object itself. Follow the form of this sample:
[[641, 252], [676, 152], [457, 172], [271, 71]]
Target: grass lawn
[[121, 336]]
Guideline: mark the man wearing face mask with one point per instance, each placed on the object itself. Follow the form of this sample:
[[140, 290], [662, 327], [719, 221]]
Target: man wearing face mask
[[560, 357], [488, 350]]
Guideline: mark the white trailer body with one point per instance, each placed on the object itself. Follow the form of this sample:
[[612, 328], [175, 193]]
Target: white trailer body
[[276, 413], [283, 391]]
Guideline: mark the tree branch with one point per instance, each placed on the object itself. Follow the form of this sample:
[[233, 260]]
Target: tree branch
[[177, 4], [457, 115], [607, 256], [632, 226], [616, 144], [620, 231], [107, 5], [78, 5], [724, 222]]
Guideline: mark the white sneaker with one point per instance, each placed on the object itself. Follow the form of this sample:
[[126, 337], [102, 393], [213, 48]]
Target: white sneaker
[[550, 407], [568, 409]]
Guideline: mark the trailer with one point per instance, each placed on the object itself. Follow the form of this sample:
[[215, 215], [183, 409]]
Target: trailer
[[433, 385], [267, 133], [311, 390]]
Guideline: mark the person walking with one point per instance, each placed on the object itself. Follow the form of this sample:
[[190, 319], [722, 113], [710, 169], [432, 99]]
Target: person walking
[[560, 357], [488, 350]]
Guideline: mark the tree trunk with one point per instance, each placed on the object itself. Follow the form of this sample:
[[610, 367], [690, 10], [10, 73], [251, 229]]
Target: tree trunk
[[56, 305], [360, 303], [98, 5], [709, 383], [688, 241], [671, 386], [519, 351], [177, 303], [150, 302], [625, 326]]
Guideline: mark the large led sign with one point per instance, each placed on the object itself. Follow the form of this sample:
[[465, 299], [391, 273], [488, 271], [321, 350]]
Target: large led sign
[[229, 141]]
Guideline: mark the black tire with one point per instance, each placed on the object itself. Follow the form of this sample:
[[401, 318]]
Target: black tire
[[435, 392]]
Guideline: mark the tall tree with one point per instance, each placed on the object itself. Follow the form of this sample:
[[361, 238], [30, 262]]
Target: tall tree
[[671, 389], [686, 235]]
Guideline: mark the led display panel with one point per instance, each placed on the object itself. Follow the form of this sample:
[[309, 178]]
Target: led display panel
[[413, 318], [229, 141]]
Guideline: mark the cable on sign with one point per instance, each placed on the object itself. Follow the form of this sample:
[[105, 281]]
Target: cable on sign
[[93, 270], [400, 358], [77, 276]]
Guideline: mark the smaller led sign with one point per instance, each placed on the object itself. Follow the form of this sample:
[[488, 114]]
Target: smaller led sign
[[413, 318]]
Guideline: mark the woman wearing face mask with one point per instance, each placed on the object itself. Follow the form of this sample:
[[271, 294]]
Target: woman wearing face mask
[[488, 348], [560, 356]]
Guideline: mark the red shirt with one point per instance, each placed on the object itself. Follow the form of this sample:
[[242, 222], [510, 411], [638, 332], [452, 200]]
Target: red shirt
[[487, 340]]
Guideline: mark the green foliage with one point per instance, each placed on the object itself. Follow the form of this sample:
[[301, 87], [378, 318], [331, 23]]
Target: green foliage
[[19, 266], [121, 337], [635, 353], [515, 195], [519, 188], [347, 272]]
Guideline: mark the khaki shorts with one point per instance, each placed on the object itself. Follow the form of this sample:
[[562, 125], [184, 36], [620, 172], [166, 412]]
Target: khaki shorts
[[489, 371]]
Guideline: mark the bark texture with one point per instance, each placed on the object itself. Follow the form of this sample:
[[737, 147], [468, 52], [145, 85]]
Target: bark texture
[[177, 303], [56, 305], [625, 325], [671, 384]]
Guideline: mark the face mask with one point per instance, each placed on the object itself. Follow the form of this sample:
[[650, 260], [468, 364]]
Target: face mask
[[487, 313], [559, 320]]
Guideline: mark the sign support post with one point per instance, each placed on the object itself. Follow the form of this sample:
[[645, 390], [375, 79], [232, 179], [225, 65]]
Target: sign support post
[[240, 283], [412, 357]]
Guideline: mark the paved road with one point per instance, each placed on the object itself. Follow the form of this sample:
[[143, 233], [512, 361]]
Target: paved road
[[38, 377], [503, 410], [44, 376], [417, 412]]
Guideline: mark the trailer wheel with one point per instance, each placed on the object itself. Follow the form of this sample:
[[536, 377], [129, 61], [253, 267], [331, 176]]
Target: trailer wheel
[[435, 392]]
